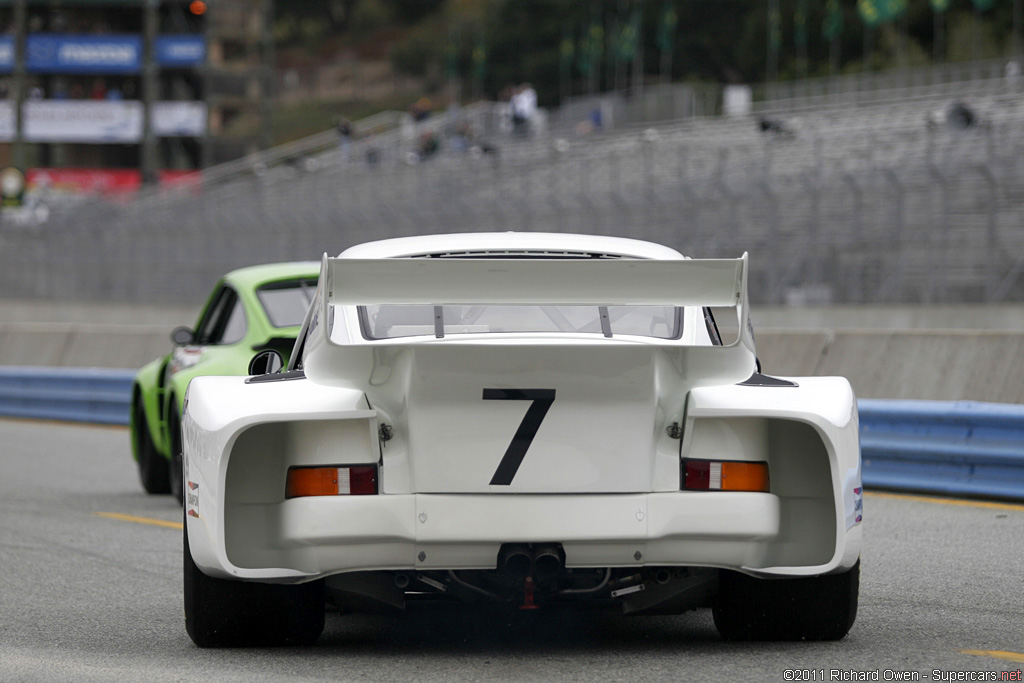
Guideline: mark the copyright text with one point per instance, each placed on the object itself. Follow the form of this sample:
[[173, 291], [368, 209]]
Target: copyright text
[[817, 675]]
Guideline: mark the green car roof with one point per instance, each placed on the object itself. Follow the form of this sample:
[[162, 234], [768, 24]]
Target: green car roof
[[251, 277]]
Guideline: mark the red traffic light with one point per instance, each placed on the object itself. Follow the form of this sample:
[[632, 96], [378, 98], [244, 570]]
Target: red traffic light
[[197, 7]]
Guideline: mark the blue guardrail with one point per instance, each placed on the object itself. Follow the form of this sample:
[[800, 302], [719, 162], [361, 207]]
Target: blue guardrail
[[94, 395], [964, 448]]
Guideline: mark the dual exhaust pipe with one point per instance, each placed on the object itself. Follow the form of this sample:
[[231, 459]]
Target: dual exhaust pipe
[[542, 561]]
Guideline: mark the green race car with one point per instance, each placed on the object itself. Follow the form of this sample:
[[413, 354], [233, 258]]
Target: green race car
[[250, 309]]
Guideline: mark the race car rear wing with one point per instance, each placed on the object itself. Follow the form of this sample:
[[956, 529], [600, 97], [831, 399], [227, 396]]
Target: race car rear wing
[[611, 282], [598, 282]]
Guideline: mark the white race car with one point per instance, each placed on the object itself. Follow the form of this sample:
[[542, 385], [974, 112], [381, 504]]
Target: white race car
[[528, 420]]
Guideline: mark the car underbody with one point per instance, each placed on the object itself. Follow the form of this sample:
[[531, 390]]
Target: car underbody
[[530, 576]]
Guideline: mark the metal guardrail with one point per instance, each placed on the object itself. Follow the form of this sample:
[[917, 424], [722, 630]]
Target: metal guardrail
[[311, 145], [963, 448], [950, 78], [74, 394]]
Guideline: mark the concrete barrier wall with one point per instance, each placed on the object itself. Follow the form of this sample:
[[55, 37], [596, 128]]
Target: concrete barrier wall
[[97, 313], [82, 345], [791, 353], [76, 334], [883, 362], [950, 365], [947, 365]]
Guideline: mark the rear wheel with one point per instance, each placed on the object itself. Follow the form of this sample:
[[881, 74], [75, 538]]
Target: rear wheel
[[812, 608], [154, 472], [225, 613]]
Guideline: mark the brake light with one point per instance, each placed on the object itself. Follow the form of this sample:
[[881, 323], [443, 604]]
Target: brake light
[[711, 475], [359, 480]]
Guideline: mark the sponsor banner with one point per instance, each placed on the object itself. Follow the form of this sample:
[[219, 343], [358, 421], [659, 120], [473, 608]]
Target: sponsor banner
[[122, 54], [179, 119], [184, 50], [56, 53], [99, 121], [82, 121], [104, 181], [109, 182]]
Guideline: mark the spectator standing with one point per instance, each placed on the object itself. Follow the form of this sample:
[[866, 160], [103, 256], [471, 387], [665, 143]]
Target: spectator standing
[[420, 110], [524, 109], [345, 138]]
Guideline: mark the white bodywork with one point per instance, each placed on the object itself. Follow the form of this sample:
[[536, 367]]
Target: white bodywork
[[602, 475]]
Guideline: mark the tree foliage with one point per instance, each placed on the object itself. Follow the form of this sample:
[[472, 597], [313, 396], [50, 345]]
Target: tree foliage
[[722, 41]]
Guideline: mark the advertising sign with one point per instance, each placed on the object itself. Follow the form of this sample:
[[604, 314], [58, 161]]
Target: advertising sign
[[99, 121], [179, 119], [97, 55], [184, 50], [109, 182], [82, 121], [56, 53], [104, 181]]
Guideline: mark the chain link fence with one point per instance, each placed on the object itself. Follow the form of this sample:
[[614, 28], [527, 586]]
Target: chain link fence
[[891, 202]]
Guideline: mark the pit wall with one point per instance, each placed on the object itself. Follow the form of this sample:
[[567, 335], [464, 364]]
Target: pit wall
[[941, 353], [938, 365]]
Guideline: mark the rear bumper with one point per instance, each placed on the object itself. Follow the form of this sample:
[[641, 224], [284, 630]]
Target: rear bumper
[[312, 537]]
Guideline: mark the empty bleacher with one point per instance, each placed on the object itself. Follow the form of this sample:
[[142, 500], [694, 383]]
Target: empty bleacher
[[882, 199]]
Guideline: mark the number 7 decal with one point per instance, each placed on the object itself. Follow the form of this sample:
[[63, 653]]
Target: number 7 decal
[[516, 451]]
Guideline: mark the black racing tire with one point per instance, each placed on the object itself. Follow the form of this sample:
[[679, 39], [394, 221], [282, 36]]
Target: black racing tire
[[176, 486], [154, 470], [812, 608], [226, 613]]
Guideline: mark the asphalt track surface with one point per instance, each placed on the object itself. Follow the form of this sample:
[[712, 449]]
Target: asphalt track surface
[[90, 590]]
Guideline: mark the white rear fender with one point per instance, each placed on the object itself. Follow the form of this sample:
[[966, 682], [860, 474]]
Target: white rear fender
[[808, 435], [240, 438]]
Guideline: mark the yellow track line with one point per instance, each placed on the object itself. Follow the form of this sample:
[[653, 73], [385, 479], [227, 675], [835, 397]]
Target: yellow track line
[[997, 654], [62, 423], [948, 501], [139, 520]]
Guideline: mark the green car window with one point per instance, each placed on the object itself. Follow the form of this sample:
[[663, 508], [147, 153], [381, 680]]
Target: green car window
[[286, 302], [224, 321], [234, 329]]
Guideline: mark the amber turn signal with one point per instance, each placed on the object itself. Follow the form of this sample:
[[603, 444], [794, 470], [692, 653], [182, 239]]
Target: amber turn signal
[[357, 480], [710, 475]]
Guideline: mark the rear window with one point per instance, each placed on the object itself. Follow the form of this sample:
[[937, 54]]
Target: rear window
[[285, 303], [391, 321]]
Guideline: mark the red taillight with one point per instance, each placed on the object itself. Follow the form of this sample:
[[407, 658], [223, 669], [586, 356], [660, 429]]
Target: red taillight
[[362, 481], [711, 475], [359, 480], [696, 475]]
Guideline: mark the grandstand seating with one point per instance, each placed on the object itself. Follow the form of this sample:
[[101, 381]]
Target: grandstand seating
[[883, 201]]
